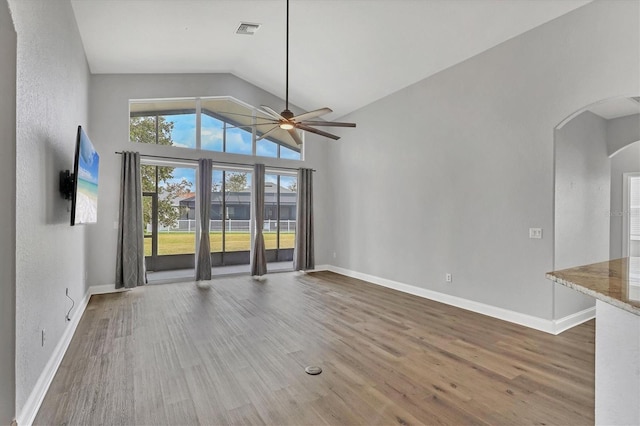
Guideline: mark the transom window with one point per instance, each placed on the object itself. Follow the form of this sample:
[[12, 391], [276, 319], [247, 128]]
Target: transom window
[[220, 124]]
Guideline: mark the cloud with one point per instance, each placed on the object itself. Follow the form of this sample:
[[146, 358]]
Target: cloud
[[236, 143], [211, 138], [86, 150], [84, 174], [267, 149]]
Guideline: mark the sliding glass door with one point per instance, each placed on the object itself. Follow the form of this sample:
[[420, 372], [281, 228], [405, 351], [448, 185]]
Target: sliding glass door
[[230, 217], [169, 217], [280, 193], [169, 207]]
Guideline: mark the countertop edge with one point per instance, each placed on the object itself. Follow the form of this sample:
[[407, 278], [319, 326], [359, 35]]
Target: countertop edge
[[610, 300]]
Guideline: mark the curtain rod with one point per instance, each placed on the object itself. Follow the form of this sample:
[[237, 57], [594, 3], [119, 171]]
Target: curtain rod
[[216, 162]]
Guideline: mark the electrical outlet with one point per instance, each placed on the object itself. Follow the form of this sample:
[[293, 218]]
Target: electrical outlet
[[447, 278], [44, 336], [535, 233], [334, 254], [66, 291]]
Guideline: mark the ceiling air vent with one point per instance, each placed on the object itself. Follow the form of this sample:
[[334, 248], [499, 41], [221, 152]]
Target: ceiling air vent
[[247, 28]]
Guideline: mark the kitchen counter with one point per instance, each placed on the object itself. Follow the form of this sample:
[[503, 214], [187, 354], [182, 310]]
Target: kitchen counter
[[616, 282]]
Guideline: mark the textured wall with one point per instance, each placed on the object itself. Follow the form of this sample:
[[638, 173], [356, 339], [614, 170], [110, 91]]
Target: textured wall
[[622, 131], [448, 174], [52, 99], [7, 214], [110, 95], [582, 202]]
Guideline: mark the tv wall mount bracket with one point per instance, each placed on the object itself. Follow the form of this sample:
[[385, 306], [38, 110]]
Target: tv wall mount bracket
[[67, 182]]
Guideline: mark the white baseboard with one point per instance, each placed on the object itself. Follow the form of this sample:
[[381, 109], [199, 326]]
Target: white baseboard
[[320, 268], [572, 320], [30, 409], [541, 324], [106, 288]]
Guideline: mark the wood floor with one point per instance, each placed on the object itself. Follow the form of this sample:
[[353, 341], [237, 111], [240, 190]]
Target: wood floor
[[235, 354]]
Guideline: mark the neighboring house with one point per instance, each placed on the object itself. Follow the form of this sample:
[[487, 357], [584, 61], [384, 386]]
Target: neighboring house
[[238, 204]]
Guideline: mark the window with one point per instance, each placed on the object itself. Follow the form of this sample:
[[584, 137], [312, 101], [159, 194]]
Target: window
[[230, 225], [169, 216], [279, 230], [226, 125], [631, 218], [164, 123]]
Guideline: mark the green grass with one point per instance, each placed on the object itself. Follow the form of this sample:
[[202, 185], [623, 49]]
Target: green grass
[[185, 242]]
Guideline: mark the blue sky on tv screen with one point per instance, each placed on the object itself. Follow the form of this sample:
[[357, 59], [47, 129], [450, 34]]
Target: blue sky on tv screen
[[88, 161]]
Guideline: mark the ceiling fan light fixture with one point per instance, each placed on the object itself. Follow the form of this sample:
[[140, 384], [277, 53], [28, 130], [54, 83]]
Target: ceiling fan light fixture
[[286, 126]]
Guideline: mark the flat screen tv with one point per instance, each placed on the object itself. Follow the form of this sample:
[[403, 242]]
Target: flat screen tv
[[82, 186]]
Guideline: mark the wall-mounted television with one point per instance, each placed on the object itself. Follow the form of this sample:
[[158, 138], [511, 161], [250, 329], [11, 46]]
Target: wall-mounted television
[[81, 187]]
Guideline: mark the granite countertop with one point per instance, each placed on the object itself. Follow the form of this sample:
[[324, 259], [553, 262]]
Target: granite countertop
[[615, 281]]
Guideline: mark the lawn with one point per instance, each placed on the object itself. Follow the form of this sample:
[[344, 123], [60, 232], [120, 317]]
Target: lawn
[[185, 242]]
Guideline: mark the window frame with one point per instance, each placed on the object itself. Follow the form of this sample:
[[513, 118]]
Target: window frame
[[199, 110]]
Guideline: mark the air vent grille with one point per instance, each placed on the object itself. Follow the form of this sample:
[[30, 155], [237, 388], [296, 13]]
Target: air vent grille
[[246, 28]]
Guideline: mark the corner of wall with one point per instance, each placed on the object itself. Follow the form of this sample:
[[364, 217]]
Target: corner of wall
[[8, 84]]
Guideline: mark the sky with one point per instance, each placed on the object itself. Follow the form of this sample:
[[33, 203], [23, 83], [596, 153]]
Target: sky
[[238, 140]]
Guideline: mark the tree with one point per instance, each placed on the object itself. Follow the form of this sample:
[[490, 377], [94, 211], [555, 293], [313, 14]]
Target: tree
[[293, 186], [168, 213], [236, 182], [143, 130]]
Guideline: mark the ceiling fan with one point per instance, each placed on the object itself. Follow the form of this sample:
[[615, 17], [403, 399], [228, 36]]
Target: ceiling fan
[[289, 122]]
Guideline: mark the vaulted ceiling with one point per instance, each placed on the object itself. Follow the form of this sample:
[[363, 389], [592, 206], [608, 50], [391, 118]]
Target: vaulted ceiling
[[344, 54]]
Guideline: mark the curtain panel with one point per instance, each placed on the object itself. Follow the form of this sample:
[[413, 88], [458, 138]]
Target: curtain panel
[[259, 257], [203, 258], [303, 253], [130, 271]]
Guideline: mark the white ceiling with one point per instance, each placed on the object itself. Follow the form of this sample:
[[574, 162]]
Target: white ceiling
[[344, 54]]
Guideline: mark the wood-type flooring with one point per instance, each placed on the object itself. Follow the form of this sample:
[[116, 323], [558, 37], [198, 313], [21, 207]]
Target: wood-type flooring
[[235, 353]]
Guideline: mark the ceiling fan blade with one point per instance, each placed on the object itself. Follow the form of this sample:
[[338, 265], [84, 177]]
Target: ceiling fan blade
[[316, 131], [312, 114], [295, 136], [269, 111], [328, 124], [249, 126], [264, 135]]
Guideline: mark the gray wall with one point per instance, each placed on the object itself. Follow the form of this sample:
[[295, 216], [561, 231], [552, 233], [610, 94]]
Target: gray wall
[[582, 195], [52, 99], [626, 160], [110, 95], [582, 202], [469, 153], [7, 215], [622, 131]]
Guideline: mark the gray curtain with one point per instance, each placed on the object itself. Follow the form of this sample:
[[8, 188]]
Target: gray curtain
[[303, 255], [130, 256], [259, 259], [203, 260]]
